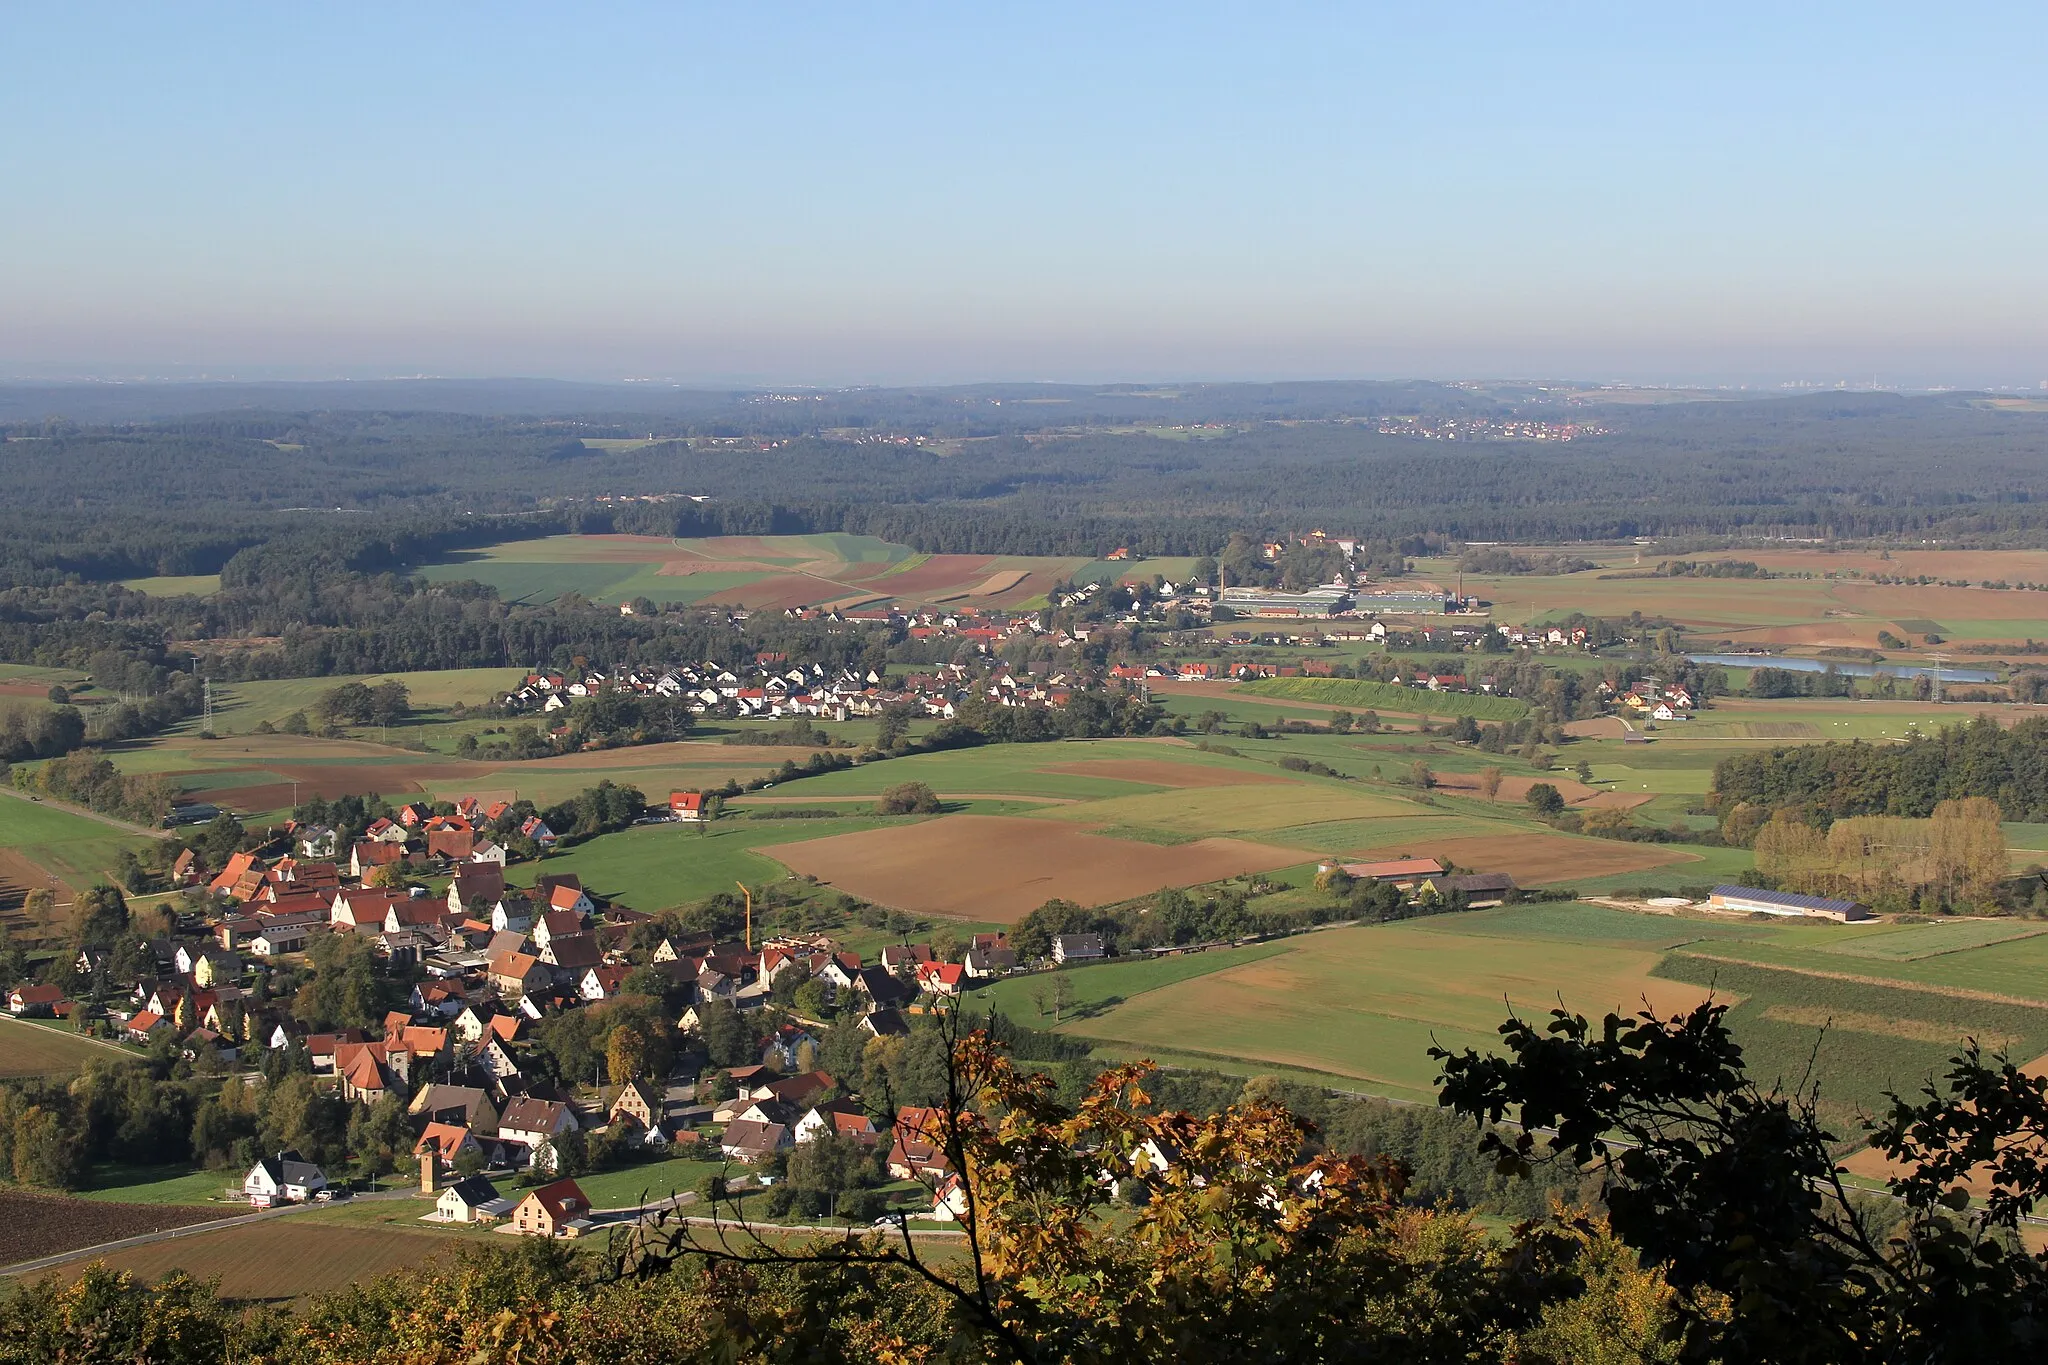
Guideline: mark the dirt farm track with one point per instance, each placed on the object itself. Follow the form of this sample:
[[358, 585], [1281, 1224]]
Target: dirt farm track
[[1001, 868]]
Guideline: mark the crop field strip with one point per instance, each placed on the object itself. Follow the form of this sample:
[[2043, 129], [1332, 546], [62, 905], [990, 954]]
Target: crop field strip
[[771, 572]]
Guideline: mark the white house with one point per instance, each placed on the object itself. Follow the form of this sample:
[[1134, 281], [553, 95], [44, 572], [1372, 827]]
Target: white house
[[279, 939], [471, 1200], [283, 1179]]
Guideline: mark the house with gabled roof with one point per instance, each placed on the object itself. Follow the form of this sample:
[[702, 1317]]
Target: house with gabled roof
[[532, 1122], [639, 1104], [286, 1178], [840, 1118], [473, 1199], [447, 1142], [917, 1150], [559, 1209], [461, 1106], [753, 1142], [33, 1002], [518, 973]]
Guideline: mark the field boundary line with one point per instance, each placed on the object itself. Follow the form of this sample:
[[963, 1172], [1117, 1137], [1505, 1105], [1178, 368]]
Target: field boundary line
[[1924, 988]]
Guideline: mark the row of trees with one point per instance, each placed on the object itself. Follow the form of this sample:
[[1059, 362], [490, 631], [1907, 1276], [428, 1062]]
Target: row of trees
[[1830, 781], [1955, 857], [90, 779]]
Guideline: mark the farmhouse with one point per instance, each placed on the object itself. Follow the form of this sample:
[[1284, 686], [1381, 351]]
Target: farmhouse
[[687, 807], [34, 1000], [1755, 901], [1480, 889], [1406, 873]]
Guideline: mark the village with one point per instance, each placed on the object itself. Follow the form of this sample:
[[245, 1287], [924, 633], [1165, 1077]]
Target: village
[[735, 1076]]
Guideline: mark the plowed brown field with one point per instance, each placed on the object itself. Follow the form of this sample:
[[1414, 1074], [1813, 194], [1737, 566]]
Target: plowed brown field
[[36, 1225], [999, 868]]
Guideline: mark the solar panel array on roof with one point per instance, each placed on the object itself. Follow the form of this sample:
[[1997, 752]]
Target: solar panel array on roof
[[1791, 900]]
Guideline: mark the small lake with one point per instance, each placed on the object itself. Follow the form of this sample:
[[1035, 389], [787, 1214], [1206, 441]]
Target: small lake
[[1949, 672]]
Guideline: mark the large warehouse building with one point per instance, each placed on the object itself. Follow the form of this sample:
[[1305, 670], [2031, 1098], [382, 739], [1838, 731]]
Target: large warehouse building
[[1756, 901]]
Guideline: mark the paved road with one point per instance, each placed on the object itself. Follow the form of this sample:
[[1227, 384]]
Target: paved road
[[189, 1230], [126, 827]]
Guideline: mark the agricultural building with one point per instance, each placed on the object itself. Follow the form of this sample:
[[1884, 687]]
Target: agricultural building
[[1406, 873], [1403, 603], [1265, 602], [1754, 901], [1480, 889]]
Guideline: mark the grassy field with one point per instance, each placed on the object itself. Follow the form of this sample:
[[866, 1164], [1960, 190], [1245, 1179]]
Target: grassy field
[[1821, 599], [158, 1184], [1364, 1004], [1359, 695], [656, 866], [1861, 1039], [774, 571], [194, 585], [75, 848], [33, 1050]]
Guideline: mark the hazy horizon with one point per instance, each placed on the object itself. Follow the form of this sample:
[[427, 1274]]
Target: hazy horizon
[[917, 196]]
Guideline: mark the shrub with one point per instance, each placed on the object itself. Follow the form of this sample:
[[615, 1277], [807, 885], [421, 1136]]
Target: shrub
[[908, 798]]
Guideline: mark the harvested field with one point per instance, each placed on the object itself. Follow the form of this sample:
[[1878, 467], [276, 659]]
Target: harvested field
[[999, 868], [1539, 859], [1035, 583], [1002, 582], [1514, 791], [1163, 772], [20, 875], [938, 574], [1234, 809], [781, 592], [282, 1259], [33, 1226]]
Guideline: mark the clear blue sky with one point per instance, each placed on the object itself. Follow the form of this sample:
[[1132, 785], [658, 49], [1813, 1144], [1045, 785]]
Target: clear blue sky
[[894, 193]]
